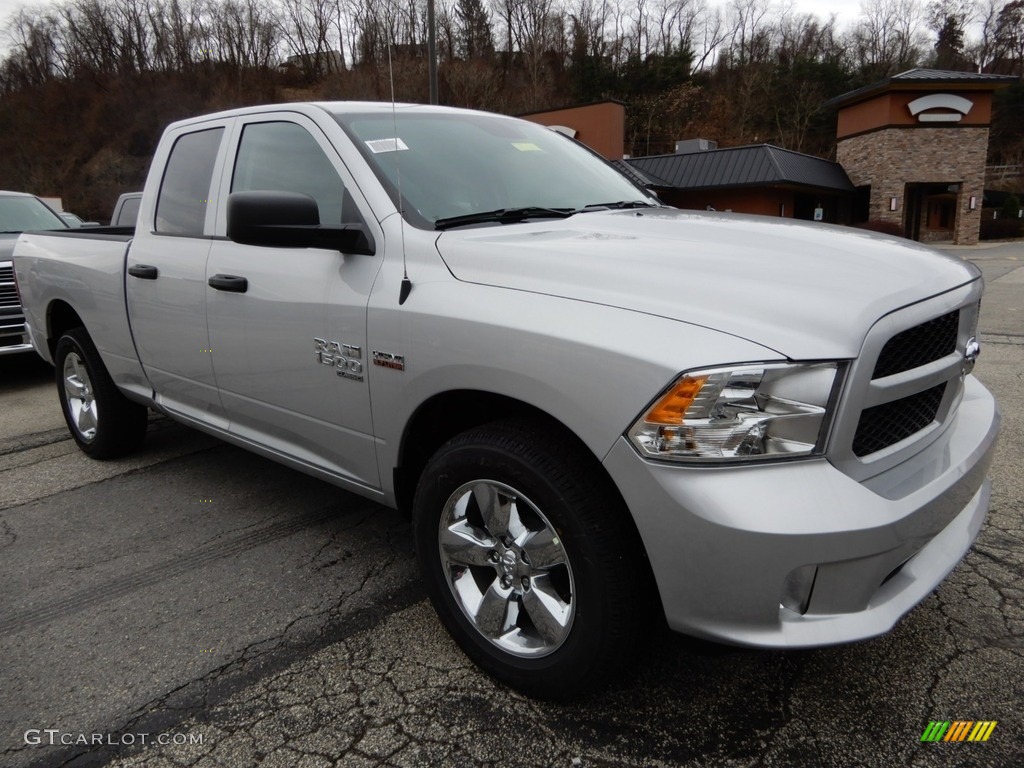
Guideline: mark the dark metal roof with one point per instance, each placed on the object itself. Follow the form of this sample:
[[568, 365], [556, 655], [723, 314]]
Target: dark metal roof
[[949, 76], [638, 177], [758, 165], [922, 76]]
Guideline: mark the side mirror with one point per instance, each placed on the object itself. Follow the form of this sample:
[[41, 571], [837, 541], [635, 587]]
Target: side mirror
[[290, 220]]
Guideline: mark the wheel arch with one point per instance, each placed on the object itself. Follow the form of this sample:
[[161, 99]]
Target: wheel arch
[[446, 414], [60, 318]]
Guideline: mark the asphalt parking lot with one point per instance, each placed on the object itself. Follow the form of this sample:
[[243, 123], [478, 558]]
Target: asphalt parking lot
[[196, 593]]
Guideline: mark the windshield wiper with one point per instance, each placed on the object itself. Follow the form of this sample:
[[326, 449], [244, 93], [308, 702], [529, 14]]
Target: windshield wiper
[[620, 205], [504, 216]]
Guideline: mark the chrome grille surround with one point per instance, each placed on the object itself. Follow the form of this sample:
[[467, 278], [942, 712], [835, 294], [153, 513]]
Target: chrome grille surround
[[867, 397], [8, 292]]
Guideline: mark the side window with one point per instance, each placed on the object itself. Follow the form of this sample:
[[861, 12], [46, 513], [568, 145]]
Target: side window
[[283, 157], [130, 212], [181, 207]]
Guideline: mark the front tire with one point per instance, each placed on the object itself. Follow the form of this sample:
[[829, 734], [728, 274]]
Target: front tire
[[530, 558], [103, 422]]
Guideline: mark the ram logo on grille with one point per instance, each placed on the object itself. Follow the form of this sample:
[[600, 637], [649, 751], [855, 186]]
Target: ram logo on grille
[[971, 354]]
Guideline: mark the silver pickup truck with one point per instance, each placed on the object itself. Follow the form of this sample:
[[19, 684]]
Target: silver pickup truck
[[599, 410]]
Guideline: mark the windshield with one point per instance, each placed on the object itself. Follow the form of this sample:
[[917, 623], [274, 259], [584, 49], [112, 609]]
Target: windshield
[[458, 164], [20, 214]]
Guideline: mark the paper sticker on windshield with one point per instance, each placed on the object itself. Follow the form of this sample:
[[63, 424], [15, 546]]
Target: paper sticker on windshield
[[386, 145], [526, 146]]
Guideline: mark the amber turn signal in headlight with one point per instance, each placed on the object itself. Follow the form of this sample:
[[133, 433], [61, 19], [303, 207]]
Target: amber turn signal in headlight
[[674, 404], [751, 411]]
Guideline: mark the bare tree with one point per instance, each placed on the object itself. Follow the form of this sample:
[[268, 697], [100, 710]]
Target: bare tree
[[309, 30], [36, 58], [714, 32], [1010, 37], [181, 37], [751, 31], [245, 33], [888, 36], [983, 50]]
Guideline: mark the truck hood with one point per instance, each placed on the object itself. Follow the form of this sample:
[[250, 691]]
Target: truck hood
[[7, 246], [807, 291]]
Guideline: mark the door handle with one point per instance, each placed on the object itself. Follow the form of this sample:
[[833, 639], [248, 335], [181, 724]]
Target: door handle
[[143, 271], [232, 283]]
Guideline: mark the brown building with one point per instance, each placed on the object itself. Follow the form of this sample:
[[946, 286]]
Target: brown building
[[601, 126], [915, 146], [761, 179], [911, 151]]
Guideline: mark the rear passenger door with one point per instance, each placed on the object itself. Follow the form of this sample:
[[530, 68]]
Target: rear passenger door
[[288, 325], [165, 279]]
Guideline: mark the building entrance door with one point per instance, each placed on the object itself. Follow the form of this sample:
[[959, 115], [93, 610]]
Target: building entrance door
[[930, 214]]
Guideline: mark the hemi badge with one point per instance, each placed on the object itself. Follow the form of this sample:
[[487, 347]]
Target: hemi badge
[[388, 360]]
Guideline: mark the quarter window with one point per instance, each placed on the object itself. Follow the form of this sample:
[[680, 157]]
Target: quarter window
[[185, 189]]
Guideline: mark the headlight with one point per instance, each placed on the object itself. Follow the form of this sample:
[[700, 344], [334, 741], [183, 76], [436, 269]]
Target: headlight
[[754, 411]]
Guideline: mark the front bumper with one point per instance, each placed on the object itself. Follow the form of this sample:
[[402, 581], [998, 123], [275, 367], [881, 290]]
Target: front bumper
[[725, 542], [14, 337]]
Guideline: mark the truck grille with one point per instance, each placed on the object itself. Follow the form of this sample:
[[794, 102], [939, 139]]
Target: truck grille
[[8, 293], [918, 346], [887, 424], [906, 384]]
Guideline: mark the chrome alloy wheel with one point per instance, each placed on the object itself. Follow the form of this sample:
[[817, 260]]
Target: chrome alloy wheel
[[507, 568], [80, 398]]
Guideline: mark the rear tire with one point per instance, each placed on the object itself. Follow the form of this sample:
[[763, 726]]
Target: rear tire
[[530, 558], [103, 422]]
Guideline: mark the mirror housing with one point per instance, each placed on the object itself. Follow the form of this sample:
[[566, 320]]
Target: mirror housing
[[290, 220]]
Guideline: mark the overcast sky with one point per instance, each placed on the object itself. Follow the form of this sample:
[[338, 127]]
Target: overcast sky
[[846, 10]]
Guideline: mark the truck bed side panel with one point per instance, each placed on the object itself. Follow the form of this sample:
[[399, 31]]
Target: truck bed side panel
[[87, 273]]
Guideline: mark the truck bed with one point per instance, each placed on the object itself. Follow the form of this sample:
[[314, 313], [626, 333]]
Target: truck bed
[[81, 269]]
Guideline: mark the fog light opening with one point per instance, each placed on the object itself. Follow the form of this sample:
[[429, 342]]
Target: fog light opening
[[895, 571], [798, 588]]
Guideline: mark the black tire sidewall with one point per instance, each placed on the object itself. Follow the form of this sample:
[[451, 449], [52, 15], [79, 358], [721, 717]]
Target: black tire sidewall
[[120, 423], [567, 669]]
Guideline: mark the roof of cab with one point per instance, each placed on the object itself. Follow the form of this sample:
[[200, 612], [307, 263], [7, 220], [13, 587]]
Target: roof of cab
[[335, 108]]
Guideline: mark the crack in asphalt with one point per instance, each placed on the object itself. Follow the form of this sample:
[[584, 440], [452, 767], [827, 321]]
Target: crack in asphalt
[[128, 472], [7, 534], [256, 661]]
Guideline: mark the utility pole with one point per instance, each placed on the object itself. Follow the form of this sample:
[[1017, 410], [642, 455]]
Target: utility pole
[[432, 51]]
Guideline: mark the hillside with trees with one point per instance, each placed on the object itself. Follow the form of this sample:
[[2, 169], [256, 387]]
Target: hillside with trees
[[87, 86]]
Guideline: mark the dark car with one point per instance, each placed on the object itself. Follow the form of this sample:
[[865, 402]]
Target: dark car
[[19, 212]]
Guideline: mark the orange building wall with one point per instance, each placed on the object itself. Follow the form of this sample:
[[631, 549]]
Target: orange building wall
[[890, 109], [761, 201], [602, 127]]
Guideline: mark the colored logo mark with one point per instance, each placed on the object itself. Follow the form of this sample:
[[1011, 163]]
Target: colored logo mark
[[959, 730]]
